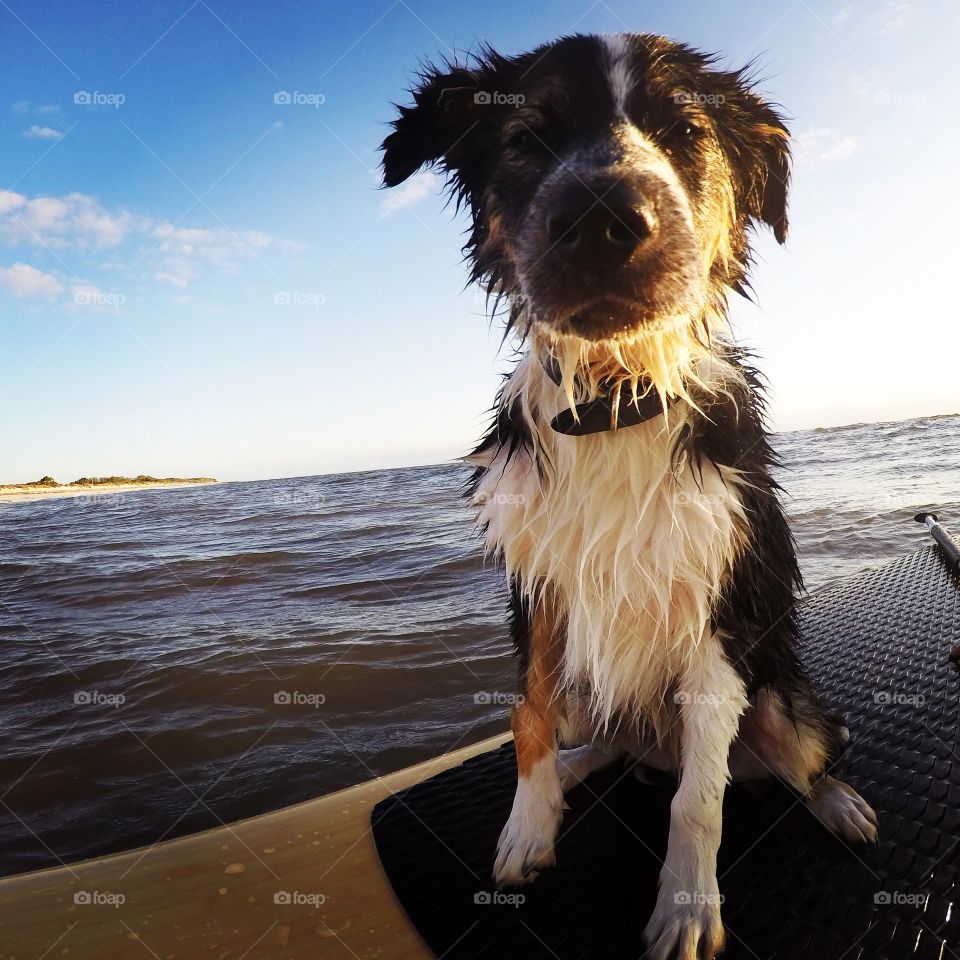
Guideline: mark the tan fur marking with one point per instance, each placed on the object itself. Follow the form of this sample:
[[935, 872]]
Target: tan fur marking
[[534, 722], [771, 742]]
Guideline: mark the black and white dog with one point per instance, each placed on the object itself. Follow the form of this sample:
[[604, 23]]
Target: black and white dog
[[626, 482]]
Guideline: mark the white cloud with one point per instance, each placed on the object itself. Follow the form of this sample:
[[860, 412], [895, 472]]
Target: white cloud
[[72, 220], [177, 274], [42, 133], [184, 251], [822, 146], [10, 201], [839, 150], [888, 18], [40, 109], [895, 15], [174, 254], [27, 282], [842, 15], [420, 186]]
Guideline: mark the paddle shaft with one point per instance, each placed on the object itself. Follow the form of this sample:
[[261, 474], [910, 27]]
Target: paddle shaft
[[950, 549]]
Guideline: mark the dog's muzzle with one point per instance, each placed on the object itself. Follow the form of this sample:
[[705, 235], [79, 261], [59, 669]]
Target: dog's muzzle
[[605, 250], [598, 231]]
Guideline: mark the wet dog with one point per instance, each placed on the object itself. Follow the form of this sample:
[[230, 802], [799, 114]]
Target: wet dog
[[626, 484]]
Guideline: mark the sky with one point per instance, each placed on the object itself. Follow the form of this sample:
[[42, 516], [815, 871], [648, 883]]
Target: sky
[[200, 276]]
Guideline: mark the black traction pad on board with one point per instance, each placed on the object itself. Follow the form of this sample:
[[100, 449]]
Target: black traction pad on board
[[877, 647]]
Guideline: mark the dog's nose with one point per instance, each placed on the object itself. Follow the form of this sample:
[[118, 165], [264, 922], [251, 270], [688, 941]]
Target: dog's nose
[[606, 223]]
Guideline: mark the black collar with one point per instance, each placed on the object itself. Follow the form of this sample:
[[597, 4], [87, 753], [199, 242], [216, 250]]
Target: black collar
[[613, 409]]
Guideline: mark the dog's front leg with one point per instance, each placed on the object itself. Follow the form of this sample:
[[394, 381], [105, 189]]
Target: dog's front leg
[[526, 843], [686, 921]]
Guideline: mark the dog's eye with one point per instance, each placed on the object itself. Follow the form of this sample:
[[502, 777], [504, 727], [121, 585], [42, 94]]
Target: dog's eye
[[684, 133], [523, 138]]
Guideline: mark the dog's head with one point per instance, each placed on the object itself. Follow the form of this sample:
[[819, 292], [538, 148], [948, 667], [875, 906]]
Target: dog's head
[[612, 181]]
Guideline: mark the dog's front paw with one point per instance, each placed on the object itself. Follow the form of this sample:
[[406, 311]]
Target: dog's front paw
[[685, 925], [526, 844]]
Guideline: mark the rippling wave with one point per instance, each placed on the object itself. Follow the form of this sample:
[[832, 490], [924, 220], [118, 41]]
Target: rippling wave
[[176, 659]]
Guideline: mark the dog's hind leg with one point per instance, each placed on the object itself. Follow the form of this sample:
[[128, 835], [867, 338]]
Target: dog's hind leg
[[527, 841], [577, 764], [798, 744], [686, 920], [842, 811]]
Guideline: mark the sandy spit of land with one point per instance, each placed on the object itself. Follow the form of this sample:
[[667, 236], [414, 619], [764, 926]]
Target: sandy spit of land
[[27, 494]]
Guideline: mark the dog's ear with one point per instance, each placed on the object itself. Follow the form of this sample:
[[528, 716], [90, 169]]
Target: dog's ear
[[768, 149], [436, 127]]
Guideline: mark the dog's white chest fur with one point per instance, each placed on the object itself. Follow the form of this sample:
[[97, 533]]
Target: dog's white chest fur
[[636, 545]]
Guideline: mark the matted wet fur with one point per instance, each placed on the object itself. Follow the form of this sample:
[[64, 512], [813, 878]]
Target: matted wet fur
[[613, 184]]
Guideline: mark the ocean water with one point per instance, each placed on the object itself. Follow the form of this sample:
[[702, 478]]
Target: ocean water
[[176, 659]]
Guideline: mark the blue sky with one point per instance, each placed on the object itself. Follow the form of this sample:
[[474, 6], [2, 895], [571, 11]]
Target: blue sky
[[197, 279]]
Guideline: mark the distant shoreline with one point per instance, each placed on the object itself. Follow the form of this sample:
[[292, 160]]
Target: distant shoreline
[[50, 489]]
